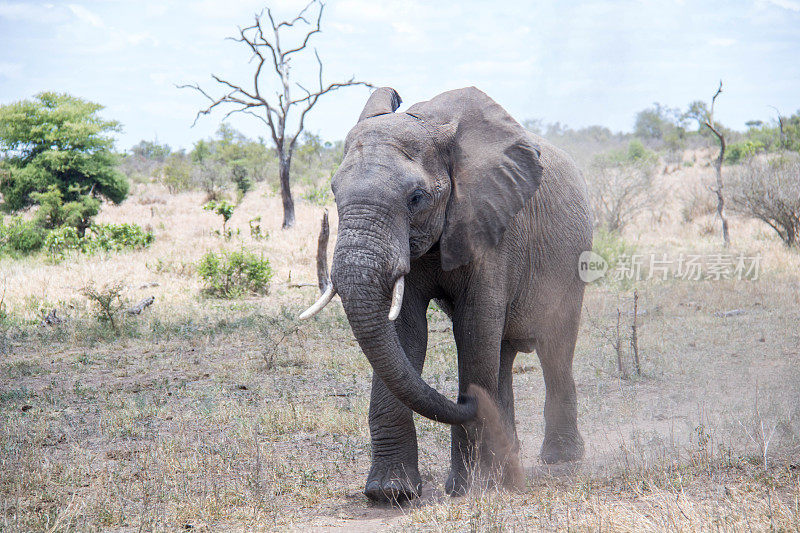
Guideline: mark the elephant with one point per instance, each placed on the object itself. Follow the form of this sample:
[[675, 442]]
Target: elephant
[[454, 201]]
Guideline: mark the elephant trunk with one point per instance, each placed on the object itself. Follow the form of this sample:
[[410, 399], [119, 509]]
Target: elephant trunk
[[364, 273]]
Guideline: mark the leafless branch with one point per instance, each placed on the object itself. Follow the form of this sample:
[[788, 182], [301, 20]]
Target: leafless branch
[[309, 34], [780, 126], [275, 113], [300, 16]]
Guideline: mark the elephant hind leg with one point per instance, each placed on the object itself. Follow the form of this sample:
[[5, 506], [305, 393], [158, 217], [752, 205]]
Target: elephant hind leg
[[556, 347], [505, 386]]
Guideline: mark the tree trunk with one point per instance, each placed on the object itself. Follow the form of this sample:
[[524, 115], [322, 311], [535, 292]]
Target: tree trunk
[[285, 163], [720, 198]]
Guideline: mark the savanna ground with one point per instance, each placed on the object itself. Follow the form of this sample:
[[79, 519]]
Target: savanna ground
[[206, 414]]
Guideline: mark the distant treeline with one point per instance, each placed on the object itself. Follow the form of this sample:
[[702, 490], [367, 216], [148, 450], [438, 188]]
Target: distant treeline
[[230, 160]]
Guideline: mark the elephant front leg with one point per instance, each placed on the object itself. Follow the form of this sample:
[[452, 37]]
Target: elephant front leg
[[394, 474], [481, 450]]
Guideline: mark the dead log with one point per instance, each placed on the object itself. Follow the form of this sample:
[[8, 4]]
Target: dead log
[[323, 279], [141, 306], [50, 319], [726, 314]]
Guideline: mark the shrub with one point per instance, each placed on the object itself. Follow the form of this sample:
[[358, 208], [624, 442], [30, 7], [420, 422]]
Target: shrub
[[256, 233], [737, 152], [99, 238], [242, 180], [23, 236], [232, 274], [620, 184], [768, 189], [108, 301], [62, 240], [223, 209], [116, 237], [611, 247], [177, 173], [319, 194], [54, 213], [697, 202]]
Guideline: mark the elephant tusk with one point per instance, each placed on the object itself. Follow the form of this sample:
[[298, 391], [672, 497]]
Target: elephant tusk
[[397, 298], [324, 300]]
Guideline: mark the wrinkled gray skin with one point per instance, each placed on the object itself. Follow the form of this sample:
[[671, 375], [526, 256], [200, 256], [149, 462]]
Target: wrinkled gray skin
[[488, 220]]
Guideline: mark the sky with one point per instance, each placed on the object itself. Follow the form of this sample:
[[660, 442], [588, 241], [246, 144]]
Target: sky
[[579, 63]]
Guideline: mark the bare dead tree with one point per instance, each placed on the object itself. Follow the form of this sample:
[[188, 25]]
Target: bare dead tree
[[635, 334], [706, 118], [270, 54], [780, 126]]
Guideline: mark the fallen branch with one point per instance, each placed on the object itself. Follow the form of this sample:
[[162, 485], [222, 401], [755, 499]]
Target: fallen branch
[[141, 306], [726, 314], [50, 319]]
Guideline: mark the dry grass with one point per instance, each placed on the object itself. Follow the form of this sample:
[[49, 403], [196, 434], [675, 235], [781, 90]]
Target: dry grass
[[206, 415]]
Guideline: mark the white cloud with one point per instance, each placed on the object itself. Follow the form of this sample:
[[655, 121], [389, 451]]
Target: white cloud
[[492, 67], [343, 27], [29, 12], [139, 38], [86, 16], [366, 9], [722, 41], [155, 10], [10, 70], [18, 11], [791, 5]]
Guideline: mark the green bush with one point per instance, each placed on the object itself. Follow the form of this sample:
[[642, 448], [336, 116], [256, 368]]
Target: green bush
[[738, 152], [611, 246], [116, 237], [232, 274], [62, 240], [23, 236], [99, 238], [319, 194], [54, 213], [177, 173], [242, 180], [225, 210]]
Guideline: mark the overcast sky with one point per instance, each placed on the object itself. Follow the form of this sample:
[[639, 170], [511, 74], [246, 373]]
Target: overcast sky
[[580, 63]]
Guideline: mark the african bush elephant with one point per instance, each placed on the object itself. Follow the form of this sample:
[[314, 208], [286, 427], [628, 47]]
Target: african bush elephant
[[454, 201]]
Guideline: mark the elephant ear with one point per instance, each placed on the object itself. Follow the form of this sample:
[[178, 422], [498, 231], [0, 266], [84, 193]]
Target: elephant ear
[[382, 101], [494, 170]]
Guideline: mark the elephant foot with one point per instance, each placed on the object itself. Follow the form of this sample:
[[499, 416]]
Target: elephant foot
[[457, 483], [507, 473], [394, 483], [562, 449]]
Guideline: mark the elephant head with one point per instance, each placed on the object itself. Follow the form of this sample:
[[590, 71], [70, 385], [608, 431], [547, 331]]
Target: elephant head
[[448, 173]]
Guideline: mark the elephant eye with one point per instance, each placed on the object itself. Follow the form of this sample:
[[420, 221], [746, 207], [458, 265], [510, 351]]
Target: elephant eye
[[416, 200]]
